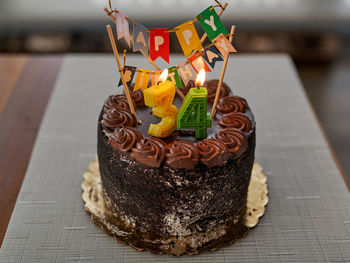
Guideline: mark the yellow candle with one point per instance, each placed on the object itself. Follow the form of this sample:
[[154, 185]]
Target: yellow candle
[[160, 97]]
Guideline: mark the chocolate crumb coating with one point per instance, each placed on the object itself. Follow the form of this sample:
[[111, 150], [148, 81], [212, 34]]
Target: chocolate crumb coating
[[178, 187]]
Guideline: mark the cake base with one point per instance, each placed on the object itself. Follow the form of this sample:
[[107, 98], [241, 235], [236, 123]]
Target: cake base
[[101, 215]]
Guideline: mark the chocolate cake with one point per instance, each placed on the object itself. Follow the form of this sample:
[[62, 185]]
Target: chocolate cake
[[176, 193]]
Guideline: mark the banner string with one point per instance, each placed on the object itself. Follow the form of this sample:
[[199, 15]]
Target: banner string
[[111, 11], [201, 52], [178, 66]]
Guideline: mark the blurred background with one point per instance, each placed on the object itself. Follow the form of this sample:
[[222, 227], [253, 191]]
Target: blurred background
[[316, 34]]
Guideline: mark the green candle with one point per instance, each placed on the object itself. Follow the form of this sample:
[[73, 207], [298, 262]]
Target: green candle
[[193, 112]]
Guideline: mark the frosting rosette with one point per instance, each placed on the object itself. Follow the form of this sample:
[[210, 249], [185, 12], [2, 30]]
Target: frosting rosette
[[212, 86], [116, 102], [149, 151], [136, 96], [231, 104], [235, 120], [182, 154], [114, 118], [124, 138], [212, 152], [235, 140]]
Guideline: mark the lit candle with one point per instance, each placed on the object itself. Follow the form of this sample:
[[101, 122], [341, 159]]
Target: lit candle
[[193, 112], [160, 97]]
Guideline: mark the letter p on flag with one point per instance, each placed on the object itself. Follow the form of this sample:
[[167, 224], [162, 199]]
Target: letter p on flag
[[159, 43], [188, 38]]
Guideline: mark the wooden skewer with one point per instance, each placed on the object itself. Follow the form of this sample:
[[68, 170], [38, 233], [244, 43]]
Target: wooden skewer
[[126, 89], [178, 91], [217, 95], [220, 13], [113, 19]]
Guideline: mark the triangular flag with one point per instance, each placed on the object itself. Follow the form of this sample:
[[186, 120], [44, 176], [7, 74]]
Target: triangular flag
[[185, 72], [188, 38], [173, 76], [198, 63], [141, 79], [223, 45], [122, 27], [140, 37], [129, 73], [159, 43], [211, 55], [155, 76], [211, 23]]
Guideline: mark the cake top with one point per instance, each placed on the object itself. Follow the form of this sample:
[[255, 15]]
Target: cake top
[[227, 138]]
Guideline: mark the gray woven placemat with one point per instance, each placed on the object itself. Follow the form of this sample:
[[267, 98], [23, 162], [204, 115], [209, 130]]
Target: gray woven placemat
[[308, 216]]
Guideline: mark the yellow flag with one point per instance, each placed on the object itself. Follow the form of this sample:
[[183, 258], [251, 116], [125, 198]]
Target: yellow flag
[[188, 38], [155, 77], [141, 79]]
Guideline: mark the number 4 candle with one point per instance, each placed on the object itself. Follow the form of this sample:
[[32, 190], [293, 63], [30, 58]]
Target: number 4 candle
[[193, 112]]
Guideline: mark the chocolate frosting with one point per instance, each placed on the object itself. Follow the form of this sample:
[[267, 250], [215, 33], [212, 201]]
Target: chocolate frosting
[[235, 120], [235, 140], [136, 96], [149, 151], [124, 138], [182, 154], [113, 118], [230, 140], [212, 152], [231, 104], [212, 86], [116, 102]]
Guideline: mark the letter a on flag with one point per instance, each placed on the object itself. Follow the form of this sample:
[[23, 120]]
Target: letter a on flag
[[211, 23], [159, 43], [188, 38], [122, 27], [140, 36], [212, 55]]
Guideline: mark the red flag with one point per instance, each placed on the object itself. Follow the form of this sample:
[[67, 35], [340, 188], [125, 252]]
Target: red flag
[[198, 63], [159, 43]]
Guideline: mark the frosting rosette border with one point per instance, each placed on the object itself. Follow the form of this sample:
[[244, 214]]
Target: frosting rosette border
[[229, 141]]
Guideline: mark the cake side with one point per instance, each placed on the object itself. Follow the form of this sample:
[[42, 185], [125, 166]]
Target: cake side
[[175, 202], [187, 188]]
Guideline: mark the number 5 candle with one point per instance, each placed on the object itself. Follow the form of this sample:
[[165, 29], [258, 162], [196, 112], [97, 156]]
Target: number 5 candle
[[160, 97], [193, 112]]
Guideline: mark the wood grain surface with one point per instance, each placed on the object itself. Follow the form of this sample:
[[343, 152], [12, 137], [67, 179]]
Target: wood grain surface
[[25, 88]]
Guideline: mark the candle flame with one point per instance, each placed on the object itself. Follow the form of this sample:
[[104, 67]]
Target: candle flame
[[200, 78], [163, 76]]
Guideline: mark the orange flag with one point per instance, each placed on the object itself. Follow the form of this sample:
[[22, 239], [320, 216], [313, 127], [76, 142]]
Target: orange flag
[[141, 79], [155, 76]]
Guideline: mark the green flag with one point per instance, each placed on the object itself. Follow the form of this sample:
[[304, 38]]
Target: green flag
[[173, 76], [211, 23]]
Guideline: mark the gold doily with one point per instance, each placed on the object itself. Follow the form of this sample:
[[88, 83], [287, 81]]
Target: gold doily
[[257, 199]]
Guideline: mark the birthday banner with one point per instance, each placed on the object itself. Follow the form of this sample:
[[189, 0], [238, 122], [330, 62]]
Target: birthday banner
[[154, 42]]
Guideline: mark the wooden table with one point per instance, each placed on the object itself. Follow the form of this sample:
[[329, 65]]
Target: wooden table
[[26, 84]]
